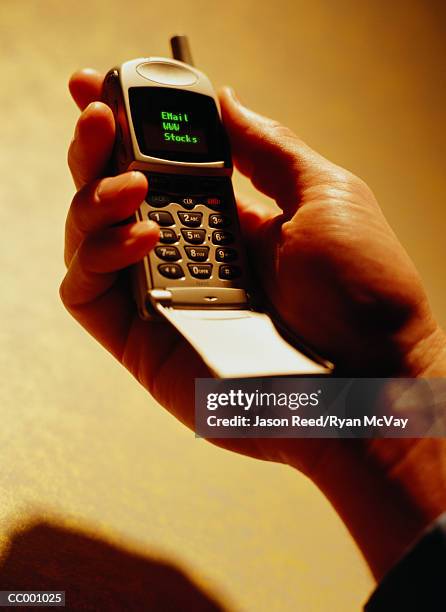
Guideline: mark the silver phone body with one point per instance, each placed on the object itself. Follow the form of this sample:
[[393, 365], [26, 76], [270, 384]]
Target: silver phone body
[[150, 286]]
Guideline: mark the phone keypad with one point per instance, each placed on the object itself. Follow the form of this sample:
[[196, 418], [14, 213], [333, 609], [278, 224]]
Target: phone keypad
[[195, 216]]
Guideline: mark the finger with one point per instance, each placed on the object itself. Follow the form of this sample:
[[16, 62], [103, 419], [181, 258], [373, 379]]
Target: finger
[[92, 146], [101, 204], [109, 316], [85, 87], [252, 214], [276, 160], [91, 290], [94, 267], [261, 225]]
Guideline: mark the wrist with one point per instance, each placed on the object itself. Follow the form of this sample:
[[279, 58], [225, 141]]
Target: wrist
[[386, 491], [413, 471]]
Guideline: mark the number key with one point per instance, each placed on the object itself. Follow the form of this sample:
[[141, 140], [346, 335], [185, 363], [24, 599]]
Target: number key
[[162, 217], [218, 221], [168, 236], [200, 270], [223, 254], [197, 253], [190, 219], [194, 236], [168, 253], [222, 237]]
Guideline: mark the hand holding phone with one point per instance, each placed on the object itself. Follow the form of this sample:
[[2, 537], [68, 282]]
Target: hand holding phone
[[316, 262]]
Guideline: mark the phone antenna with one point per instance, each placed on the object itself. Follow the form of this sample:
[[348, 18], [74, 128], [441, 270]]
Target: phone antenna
[[181, 49]]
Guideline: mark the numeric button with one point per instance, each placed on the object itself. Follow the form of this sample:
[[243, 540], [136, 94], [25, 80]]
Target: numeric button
[[200, 270], [218, 221], [168, 236], [196, 236], [223, 254], [197, 253], [168, 253], [229, 272], [171, 270], [161, 217], [190, 219], [222, 237]]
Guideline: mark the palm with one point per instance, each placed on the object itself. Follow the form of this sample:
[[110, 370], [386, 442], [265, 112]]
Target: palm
[[336, 274]]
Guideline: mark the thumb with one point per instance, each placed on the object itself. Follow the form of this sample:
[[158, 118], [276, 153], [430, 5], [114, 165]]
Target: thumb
[[276, 161]]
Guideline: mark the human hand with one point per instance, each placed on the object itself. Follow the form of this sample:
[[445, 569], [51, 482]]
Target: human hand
[[328, 260], [329, 263]]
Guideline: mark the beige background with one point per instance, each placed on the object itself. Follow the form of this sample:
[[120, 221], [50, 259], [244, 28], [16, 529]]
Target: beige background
[[81, 445]]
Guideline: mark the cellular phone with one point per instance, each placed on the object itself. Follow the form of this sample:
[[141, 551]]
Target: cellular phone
[[168, 126]]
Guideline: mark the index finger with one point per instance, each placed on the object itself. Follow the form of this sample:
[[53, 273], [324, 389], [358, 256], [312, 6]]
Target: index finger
[[90, 150], [85, 87], [91, 147]]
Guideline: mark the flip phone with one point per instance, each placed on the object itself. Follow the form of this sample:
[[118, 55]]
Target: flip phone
[[168, 126]]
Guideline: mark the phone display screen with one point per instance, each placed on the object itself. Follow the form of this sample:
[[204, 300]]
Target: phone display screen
[[177, 125]]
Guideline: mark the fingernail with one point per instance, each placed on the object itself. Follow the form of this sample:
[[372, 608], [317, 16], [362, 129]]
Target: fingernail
[[111, 187], [144, 227], [151, 225], [92, 106]]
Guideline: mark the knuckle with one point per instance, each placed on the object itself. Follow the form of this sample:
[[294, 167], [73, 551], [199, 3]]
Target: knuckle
[[342, 177], [94, 251], [278, 130], [337, 180], [81, 207], [85, 254]]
